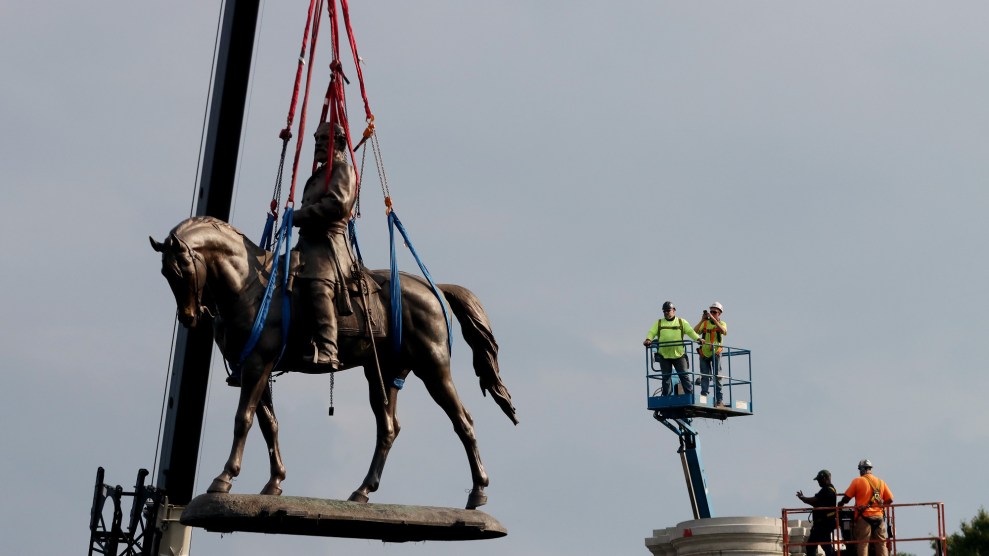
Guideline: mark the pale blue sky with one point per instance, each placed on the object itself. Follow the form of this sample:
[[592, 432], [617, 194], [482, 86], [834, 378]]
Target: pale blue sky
[[819, 168]]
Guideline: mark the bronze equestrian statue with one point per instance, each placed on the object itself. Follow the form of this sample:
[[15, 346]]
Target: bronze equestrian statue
[[213, 268]]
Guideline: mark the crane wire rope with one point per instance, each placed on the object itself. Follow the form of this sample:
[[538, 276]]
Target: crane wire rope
[[247, 113], [233, 210], [192, 205]]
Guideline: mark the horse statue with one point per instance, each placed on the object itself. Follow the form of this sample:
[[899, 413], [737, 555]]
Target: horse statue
[[213, 268]]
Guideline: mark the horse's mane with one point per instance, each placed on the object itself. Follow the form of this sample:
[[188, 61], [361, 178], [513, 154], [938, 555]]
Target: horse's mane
[[200, 230], [190, 224]]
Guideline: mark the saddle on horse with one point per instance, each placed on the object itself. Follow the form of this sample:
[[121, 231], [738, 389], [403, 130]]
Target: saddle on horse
[[355, 323], [368, 302]]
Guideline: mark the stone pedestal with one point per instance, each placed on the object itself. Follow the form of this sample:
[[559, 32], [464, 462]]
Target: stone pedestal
[[720, 536], [659, 542]]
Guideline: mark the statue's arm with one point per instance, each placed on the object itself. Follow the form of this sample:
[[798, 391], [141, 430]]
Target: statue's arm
[[335, 205]]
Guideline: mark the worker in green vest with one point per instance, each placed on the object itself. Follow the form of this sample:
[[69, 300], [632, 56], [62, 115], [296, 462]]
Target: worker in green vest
[[669, 332]]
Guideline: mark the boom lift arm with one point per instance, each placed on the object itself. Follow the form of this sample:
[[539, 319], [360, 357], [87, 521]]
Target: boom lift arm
[[690, 458]]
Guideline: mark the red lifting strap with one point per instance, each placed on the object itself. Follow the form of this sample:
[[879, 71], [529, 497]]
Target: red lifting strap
[[298, 74], [335, 102], [314, 7], [357, 59]]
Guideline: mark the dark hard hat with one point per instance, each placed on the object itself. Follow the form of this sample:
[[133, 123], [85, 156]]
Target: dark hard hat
[[823, 474], [865, 464], [668, 305]]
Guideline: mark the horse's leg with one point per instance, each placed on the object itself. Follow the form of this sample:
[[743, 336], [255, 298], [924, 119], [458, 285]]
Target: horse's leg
[[269, 428], [440, 386], [254, 381], [386, 418]]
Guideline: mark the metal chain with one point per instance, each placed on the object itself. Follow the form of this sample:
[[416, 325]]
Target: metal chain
[[357, 213], [332, 381], [276, 196], [380, 165]]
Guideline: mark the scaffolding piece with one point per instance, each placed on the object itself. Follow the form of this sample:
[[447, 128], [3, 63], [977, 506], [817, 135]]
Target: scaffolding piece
[[112, 539], [843, 541]]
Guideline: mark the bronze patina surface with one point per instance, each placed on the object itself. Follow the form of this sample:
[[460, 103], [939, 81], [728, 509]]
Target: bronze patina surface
[[295, 515], [214, 270]]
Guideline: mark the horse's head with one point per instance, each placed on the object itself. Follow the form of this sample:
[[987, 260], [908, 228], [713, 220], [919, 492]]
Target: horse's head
[[185, 271]]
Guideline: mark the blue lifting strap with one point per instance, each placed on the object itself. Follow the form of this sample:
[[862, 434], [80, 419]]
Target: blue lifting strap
[[283, 238], [287, 262], [269, 226], [396, 286], [352, 230]]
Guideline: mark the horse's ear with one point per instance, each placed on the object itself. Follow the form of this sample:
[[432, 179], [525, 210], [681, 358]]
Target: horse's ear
[[159, 247]]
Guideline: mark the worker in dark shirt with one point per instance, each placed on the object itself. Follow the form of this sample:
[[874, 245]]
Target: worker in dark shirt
[[824, 521]]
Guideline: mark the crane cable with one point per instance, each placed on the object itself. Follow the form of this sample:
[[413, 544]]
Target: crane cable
[[335, 104], [283, 237], [334, 111], [286, 133], [192, 205]]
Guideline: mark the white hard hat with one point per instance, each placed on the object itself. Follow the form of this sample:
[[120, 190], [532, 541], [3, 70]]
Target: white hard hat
[[717, 306], [865, 464]]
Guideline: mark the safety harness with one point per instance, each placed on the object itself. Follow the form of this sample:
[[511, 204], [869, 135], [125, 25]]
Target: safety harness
[[712, 335], [660, 327], [659, 332], [876, 500]]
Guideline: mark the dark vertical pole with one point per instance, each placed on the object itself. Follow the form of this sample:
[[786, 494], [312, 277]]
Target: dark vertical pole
[[193, 348]]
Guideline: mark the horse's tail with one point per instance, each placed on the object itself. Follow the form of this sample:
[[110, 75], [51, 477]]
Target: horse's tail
[[477, 331]]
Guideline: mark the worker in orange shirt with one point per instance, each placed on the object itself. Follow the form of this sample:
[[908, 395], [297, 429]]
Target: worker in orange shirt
[[871, 495]]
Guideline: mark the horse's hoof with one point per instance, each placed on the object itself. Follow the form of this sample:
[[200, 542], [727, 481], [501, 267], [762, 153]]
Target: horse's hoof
[[219, 486], [476, 498], [271, 491], [359, 497]]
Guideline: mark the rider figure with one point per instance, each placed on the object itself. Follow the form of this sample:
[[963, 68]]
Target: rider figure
[[324, 255]]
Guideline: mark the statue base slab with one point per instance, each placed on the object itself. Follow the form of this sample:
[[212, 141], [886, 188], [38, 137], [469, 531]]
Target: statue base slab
[[296, 515]]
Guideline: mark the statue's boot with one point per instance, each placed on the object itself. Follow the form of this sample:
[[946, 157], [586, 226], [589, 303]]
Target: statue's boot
[[325, 327]]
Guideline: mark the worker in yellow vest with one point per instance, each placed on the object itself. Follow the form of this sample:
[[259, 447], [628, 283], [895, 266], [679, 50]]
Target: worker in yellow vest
[[672, 328], [712, 329]]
